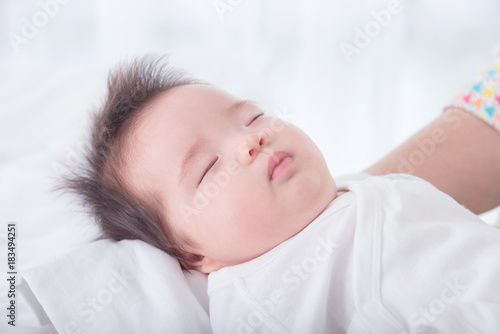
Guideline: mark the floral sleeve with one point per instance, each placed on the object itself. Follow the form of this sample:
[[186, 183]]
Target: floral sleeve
[[482, 96]]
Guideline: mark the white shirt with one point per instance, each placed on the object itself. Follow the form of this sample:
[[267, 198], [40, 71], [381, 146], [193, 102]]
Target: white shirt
[[392, 255]]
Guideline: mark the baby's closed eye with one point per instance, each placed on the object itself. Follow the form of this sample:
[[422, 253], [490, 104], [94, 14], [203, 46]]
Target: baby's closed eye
[[208, 169]]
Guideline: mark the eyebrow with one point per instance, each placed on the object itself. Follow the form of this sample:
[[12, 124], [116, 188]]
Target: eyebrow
[[193, 150]]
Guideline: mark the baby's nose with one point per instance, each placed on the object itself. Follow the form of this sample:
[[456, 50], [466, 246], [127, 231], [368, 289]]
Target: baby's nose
[[250, 146]]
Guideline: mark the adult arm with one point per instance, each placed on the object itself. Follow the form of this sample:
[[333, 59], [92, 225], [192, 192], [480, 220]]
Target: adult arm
[[458, 153]]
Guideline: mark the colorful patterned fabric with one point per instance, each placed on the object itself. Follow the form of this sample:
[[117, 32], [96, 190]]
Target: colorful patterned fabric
[[482, 97]]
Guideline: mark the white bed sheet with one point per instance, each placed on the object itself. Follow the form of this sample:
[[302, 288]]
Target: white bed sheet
[[115, 287]]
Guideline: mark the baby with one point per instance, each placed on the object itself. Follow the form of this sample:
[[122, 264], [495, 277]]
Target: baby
[[248, 198]]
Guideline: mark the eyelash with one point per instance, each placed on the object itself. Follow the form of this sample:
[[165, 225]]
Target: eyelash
[[217, 158], [253, 120], [208, 168]]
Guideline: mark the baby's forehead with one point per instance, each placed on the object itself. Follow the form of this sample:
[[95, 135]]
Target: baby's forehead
[[192, 104], [194, 97]]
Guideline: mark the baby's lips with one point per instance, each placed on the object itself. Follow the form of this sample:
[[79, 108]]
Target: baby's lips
[[275, 162]]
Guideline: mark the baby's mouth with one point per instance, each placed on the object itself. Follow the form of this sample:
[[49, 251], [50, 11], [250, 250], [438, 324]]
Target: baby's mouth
[[278, 164]]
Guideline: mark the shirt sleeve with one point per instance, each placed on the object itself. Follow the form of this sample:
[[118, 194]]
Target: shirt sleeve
[[440, 263]]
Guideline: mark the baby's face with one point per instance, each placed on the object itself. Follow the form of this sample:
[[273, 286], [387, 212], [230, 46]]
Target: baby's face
[[235, 182]]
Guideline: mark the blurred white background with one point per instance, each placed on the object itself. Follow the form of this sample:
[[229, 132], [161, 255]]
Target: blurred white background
[[285, 54]]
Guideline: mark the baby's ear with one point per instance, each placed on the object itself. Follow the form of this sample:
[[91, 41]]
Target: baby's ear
[[202, 264]]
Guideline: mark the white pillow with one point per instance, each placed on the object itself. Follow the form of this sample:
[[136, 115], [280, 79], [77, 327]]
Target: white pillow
[[120, 287]]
